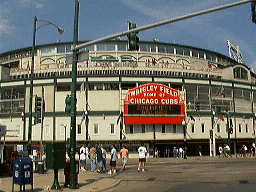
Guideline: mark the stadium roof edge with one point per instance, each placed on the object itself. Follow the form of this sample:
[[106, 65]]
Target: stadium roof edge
[[149, 42]]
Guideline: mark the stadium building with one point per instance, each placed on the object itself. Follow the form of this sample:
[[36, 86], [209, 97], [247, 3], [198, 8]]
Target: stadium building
[[213, 92]]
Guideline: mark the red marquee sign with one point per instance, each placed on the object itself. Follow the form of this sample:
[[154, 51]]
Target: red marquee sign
[[153, 104]]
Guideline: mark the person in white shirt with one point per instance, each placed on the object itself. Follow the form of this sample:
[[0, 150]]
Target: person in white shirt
[[142, 158], [82, 158]]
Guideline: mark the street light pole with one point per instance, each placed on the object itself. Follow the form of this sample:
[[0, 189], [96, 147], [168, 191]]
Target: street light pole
[[31, 89], [30, 113], [73, 182]]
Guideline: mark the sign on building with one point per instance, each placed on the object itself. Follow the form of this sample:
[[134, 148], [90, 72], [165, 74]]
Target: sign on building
[[153, 104]]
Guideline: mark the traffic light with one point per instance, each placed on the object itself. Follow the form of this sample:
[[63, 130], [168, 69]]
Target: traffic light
[[253, 11], [68, 105], [38, 110], [133, 39]]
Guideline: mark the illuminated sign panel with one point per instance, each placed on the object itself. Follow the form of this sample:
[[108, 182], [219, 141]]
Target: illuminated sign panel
[[153, 104]]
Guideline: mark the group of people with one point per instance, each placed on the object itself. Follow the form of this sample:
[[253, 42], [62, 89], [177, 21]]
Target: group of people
[[179, 152], [98, 158]]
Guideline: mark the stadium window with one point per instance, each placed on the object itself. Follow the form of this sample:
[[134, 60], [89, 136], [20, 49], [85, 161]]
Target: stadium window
[[60, 88], [101, 47], [121, 47], [91, 48], [61, 49], [111, 47], [195, 53], [246, 128], [201, 55], [192, 128], [174, 127], [170, 50], [163, 129], [153, 48], [218, 128], [95, 129], [161, 49], [143, 128], [203, 127], [68, 49], [112, 129], [179, 51], [186, 52], [79, 129], [131, 129], [240, 128]]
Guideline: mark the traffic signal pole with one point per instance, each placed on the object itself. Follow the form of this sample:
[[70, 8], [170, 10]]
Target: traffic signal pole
[[158, 24], [73, 182]]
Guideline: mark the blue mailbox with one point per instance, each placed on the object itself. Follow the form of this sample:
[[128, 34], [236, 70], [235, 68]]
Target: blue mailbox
[[23, 172]]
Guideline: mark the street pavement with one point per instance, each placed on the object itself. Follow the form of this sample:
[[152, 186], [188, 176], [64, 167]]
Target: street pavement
[[160, 170]]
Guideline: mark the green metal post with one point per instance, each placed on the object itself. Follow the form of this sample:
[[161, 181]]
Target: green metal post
[[229, 141], [73, 182], [31, 89]]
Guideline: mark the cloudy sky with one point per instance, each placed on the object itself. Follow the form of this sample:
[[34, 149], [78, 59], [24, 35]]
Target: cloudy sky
[[99, 18]]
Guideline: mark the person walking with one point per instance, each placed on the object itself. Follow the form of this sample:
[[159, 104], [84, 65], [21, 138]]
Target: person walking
[[124, 154], [104, 157], [113, 160], [174, 151], [82, 158], [142, 158], [200, 151], [93, 158]]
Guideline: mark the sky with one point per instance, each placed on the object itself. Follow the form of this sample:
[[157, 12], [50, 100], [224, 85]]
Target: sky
[[100, 18]]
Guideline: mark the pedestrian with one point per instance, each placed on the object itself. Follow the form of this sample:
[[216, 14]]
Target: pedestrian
[[180, 152], [113, 160], [156, 153], [86, 152], [104, 157], [38, 154], [174, 151], [200, 151], [253, 149], [82, 158], [185, 155], [99, 160], [124, 154], [142, 158], [82, 161], [93, 158]]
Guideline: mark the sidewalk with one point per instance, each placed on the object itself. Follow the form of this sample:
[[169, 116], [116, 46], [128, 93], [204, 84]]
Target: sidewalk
[[91, 181]]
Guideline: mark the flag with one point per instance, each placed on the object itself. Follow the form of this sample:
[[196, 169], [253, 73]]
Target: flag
[[120, 116]]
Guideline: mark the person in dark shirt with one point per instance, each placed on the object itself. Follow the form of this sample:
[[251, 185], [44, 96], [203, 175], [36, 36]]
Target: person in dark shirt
[[99, 160]]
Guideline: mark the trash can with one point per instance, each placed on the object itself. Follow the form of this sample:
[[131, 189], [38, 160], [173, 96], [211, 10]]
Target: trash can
[[22, 172], [40, 165]]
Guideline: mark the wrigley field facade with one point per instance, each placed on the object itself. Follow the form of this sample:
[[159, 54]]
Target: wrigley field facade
[[164, 95]]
